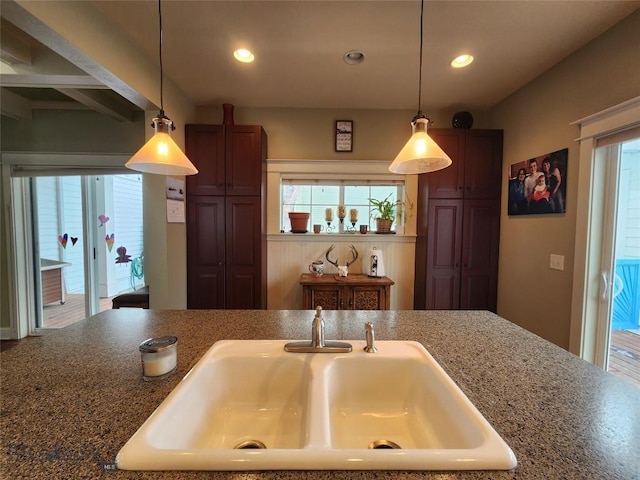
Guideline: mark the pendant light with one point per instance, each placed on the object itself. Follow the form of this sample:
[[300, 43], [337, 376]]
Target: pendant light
[[161, 155], [421, 154]]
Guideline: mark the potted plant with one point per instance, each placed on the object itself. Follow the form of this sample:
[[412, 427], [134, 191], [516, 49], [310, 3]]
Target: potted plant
[[384, 212]]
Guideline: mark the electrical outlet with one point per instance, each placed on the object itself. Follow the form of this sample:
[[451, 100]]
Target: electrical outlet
[[556, 262]]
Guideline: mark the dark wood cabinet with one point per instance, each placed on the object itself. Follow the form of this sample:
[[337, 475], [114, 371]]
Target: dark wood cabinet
[[459, 224], [226, 241], [476, 168], [354, 292]]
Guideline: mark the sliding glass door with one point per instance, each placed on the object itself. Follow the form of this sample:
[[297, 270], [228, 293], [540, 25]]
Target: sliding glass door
[[619, 314], [87, 244]]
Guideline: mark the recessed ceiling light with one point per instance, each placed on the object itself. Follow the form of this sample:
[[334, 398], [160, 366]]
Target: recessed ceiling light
[[243, 55], [353, 57], [461, 61]]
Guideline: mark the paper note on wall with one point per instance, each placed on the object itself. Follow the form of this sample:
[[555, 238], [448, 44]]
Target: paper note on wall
[[175, 211]]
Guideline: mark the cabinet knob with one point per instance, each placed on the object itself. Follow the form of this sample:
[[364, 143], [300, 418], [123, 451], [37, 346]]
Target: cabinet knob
[[351, 303], [341, 304]]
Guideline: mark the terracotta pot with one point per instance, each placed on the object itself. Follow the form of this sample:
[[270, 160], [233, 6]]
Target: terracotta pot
[[383, 225], [299, 221]]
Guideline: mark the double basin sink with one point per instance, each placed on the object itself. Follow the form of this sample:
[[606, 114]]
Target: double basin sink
[[249, 405]]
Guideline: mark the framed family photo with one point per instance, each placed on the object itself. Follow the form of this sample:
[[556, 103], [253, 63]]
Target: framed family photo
[[539, 185]]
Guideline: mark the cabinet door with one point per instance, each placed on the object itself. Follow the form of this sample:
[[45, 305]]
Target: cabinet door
[[243, 252], [245, 149], [448, 182], [444, 247], [367, 298], [483, 164], [329, 297], [205, 148], [479, 276], [205, 252]]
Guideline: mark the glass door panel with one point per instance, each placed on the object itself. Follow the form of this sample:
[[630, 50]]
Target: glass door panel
[[87, 242], [624, 338]]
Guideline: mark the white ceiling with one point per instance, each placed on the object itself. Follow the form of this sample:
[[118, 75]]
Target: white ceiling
[[299, 47]]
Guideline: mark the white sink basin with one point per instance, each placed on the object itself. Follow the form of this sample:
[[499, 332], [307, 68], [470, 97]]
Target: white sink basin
[[316, 411]]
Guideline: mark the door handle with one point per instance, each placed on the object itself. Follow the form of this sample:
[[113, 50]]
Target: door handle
[[605, 287]]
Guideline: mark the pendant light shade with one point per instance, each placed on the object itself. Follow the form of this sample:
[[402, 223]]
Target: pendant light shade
[[421, 154], [161, 155]]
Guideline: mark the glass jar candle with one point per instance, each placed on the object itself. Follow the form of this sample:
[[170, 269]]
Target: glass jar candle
[[159, 357]]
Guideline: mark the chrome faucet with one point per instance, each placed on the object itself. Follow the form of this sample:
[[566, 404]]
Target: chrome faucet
[[370, 337], [317, 344]]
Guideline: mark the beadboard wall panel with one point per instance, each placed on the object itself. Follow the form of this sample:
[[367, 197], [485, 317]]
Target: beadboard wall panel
[[289, 255]]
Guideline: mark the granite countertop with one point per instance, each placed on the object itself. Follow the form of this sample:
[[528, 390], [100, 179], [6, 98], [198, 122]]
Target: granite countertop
[[71, 398]]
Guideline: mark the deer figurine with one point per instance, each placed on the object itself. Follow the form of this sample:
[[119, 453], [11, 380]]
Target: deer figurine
[[343, 270]]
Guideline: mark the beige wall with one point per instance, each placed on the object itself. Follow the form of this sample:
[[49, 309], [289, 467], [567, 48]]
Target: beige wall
[[536, 120]]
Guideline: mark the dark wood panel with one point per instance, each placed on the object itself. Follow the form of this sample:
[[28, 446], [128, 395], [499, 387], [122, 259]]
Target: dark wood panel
[[327, 296], [479, 277], [205, 252], [444, 247], [448, 182], [354, 292], [245, 146], [367, 298], [243, 291], [205, 148], [483, 164], [443, 290], [243, 256]]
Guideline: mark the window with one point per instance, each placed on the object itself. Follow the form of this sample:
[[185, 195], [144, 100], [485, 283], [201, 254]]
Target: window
[[303, 195]]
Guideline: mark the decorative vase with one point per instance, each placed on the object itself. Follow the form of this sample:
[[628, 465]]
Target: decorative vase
[[383, 225], [299, 221]]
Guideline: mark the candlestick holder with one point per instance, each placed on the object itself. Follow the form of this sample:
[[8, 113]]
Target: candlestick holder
[[352, 228], [329, 228]]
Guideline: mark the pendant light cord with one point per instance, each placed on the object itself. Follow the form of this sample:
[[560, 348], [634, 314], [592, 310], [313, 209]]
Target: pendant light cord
[[420, 74], [420, 114], [160, 54]]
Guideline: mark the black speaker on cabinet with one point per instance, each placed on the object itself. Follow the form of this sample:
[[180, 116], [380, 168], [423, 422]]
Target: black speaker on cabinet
[[462, 120]]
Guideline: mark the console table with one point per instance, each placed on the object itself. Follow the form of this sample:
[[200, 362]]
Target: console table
[[353, 292]]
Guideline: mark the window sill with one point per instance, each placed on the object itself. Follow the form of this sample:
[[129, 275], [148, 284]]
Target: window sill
[[342, 237]]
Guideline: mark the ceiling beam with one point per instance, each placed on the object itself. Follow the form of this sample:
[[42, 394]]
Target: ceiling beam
[[50, 81], [99, 102], [14, 106], [15, 48]]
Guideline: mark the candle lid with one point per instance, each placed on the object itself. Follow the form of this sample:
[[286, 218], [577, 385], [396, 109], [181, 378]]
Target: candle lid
[[152, 345]]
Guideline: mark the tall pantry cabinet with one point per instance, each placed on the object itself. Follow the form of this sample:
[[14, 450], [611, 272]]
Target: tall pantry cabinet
[[459, 224], [226, 215]]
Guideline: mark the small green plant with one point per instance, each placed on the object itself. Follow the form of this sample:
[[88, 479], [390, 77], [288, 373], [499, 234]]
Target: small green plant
[[384, 209]]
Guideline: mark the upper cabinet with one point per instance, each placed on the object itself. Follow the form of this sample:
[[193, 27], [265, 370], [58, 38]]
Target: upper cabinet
[[205, 148], [476, 168], [225, 156]]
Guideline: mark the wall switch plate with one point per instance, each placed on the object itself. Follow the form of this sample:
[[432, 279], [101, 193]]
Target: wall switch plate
[[556, 262]]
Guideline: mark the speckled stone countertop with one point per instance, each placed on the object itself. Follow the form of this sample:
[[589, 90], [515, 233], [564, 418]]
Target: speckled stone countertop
[[71, 398]]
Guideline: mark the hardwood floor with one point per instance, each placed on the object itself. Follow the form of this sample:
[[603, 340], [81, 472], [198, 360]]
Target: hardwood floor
[[58, 316], [624, 355]]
